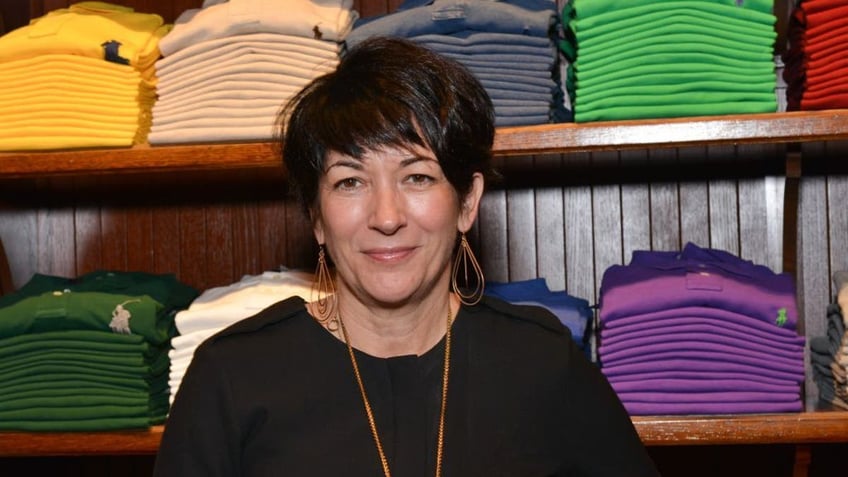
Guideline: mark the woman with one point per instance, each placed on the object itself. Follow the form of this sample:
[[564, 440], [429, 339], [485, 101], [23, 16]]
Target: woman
[[395, 368]]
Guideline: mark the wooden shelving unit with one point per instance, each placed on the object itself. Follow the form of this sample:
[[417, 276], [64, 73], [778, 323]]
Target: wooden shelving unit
[[263, 157], [803, 428], [34, 181]]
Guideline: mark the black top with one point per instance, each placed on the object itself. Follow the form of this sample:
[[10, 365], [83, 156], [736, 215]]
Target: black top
[[275, 395]]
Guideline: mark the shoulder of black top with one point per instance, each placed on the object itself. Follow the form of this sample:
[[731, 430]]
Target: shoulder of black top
[[278, 312]]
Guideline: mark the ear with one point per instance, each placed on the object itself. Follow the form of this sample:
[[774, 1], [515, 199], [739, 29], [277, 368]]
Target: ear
[[470, 205], [317, 225]]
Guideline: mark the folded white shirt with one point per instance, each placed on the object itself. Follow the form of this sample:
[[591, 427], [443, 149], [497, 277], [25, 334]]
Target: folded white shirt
[[325, 20]]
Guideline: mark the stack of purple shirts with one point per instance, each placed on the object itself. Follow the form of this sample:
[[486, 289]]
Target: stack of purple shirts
[[700, 331]]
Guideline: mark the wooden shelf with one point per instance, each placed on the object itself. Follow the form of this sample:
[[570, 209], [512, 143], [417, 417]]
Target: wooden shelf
[[548, 138], [141, 159], [800, 428], [768, 128], [790, 428], [37, 444]]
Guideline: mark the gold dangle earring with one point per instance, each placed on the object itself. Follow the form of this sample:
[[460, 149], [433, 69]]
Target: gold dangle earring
[[322, 293], [464, 257]]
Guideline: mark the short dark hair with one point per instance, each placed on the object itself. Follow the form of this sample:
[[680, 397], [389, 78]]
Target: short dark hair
[[389, 92]]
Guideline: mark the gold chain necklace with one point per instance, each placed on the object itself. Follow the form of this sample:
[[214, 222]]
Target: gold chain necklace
[[441, 439]]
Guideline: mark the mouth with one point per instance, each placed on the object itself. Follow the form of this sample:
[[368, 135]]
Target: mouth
[[389, 255]]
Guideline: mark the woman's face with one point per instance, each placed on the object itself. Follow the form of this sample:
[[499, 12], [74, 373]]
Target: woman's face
[[390, 222]]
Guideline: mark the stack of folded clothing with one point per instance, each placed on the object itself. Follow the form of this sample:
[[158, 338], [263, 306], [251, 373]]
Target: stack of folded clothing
[[89, 353], [657, 59], [829, 353], [81, 76], [217, 308], [229, 67], [575, 313], [815, 62], [700, 331], [508, 45]]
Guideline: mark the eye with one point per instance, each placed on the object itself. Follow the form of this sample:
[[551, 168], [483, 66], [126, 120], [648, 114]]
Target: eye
[[348, 183], [419, 179]]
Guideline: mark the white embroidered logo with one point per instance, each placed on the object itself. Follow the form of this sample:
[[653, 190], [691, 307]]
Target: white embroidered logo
[[121, 318]]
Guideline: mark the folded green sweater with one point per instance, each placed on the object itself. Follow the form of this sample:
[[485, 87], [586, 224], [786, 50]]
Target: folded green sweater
[[597, 12], [674, 111], [92, 311]]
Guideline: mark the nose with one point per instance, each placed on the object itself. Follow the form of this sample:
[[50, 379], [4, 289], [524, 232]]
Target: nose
[[387, 214]]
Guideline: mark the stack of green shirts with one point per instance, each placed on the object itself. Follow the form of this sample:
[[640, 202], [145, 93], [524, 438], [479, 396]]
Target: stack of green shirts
[[90, 353], [660, 58]]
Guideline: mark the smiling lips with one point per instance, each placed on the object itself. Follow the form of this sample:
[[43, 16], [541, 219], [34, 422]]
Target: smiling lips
[[389, 255]]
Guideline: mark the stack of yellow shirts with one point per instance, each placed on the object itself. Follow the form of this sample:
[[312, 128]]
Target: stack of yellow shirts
[[81, 76]]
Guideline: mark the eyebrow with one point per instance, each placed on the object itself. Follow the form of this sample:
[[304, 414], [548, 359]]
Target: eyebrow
[[355, 164], [417, 158], [345, 163]]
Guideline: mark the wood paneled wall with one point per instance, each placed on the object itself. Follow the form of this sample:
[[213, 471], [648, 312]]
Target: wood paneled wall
[[205, 238], [593, 212]]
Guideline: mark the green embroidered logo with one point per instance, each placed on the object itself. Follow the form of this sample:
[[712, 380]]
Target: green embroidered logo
[[781, 317]]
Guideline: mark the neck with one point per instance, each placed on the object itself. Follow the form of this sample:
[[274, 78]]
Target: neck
[[392, 332]]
